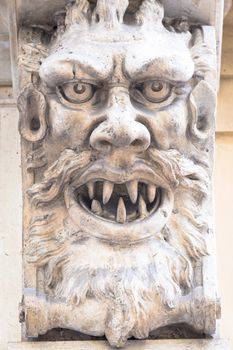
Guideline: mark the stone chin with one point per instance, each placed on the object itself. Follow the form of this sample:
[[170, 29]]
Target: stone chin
[[118, 205], [99, 286]]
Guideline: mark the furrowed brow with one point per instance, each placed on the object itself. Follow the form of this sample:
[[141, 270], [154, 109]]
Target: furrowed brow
[[161, 68], [55, 71]]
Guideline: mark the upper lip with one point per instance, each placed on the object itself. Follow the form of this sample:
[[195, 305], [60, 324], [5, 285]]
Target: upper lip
[[140, 171]]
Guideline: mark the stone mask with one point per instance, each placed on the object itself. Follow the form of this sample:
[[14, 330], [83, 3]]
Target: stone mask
[[117, 125]]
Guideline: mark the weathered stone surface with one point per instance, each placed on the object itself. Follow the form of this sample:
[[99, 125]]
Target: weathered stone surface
[[117, 115], [3, 17], [5, 71], [194, 344], [31, 12], [199, 11], [5, 67]]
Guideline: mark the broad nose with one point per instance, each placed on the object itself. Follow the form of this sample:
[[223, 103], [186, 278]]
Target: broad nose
[[120, 128]]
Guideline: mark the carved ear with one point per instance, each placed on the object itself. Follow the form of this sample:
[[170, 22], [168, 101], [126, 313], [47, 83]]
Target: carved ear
[[32, 118], [203, 106]]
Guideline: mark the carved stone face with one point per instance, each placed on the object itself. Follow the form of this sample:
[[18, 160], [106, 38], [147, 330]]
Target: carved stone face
[[118, 226], [118, 94]]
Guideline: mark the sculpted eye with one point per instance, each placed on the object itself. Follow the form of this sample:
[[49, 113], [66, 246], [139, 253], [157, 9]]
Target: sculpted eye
[[155, 91], [77, 92]]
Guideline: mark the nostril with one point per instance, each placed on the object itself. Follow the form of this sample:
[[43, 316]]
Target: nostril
[[104, 143], [137, 143]]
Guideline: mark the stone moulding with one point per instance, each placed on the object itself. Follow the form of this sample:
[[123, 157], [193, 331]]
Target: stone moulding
[[184, 344], [117, 116]]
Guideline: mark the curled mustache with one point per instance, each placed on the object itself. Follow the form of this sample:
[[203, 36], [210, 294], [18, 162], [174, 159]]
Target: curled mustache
[[171, 165], [58, 175], [180, 171]]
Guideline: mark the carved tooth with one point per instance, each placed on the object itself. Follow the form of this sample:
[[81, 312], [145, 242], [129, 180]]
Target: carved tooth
[[121, 211], [132, 187], [151, 192], [142, 208], [96, 207], [107, 191], [90, 187]]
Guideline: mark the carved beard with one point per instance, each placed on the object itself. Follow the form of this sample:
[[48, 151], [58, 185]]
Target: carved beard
[[128, 280]]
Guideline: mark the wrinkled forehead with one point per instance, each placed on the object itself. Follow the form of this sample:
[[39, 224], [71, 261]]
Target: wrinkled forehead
[[136, 54]]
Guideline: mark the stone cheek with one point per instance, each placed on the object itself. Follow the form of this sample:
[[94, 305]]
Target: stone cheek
[[115, 124]]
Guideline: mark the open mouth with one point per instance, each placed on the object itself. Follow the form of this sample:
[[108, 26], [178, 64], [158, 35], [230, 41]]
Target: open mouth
[[119, 202], [120, 205]]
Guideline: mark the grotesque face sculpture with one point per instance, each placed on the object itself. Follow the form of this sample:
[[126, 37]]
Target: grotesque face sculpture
[[120, 119]]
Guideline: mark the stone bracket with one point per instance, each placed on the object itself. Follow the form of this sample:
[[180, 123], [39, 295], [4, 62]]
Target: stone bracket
[[191, 344]]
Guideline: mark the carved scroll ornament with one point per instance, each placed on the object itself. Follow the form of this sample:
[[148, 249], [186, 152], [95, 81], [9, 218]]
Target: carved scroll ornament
[[117, 119]]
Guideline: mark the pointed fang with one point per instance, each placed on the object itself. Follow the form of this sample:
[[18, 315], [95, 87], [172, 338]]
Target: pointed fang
[[107, 191], [142, 208], [132, 187], [96, 207], [90, 188], [151, 193], [121, 212]]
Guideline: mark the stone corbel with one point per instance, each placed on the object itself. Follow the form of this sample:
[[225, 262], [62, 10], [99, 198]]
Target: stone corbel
[[117, 116]]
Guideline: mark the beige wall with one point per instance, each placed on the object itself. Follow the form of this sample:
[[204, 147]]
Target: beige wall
[[224, 228], [10, 227], [224, 182]]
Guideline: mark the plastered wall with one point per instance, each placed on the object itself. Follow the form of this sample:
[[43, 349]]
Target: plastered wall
[[224, 228], [224, 181], [10, 226]]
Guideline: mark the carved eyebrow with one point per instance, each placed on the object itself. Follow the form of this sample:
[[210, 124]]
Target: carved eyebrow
[[160, 68], [164, 58], [55, 71]]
